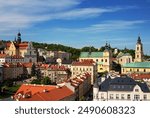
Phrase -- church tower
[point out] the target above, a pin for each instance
(139, 51)
(19, 38)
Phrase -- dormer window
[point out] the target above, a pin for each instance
(136, 90)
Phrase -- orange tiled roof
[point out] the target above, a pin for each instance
(17, 57)
(56, 67)
(27, 65)
(8, 44)
(83, 63)
(42, 93)
(140, 76)
(23, 45)
(3, 55)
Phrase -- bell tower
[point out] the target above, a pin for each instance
(19, 37)
(139, 51)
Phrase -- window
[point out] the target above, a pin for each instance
(136, 90)
(129, 60)
(136, 97)
(144, 70)
(122, 96)
(121, 60)
(111, 96)
(137, 70)
(128, 96)
(105, 60)
(96, 60)
(117, 96)
(102, 60)
(145, 97)
(102, 96)
(130, 69)
(137, 48)
(137, 56)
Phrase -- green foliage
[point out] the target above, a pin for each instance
(46, 81)
(116, 67)
(33, 70)
(8, 83)
(130, 51)
(87, 49)
(102, 49)
(58, 47)
(36, 81)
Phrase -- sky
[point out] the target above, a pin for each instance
(77, 23)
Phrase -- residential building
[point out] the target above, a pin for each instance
(121, 89)
(11, 71)
(1, 73)
(56, 73)
(29, 92)
(102, 59)
(27, 68)
(80, 85)
(84, 66)
(4, 58)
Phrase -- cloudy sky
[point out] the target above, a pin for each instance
(77, 23)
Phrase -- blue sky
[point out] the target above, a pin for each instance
(77, 23)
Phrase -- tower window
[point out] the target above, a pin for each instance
(105, 60)
(137, 48)
(137, 56)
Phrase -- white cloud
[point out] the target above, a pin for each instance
(105, 26)
(21, 14)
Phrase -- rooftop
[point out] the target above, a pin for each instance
(137, 65)
(122, 84)
(140, 76)
(83, 63)
(91, 54)
(42, 93)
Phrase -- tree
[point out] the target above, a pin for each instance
(46, 81)
(68, 73)
(36, 81)
(33, 70)
(38, 74)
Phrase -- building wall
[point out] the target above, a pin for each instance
(12, 72)
(139, 53)
(103, 63)
(76, 70)
(124, 59)
(1, 73)
(134, 70)
(11, 50)
(121, 95)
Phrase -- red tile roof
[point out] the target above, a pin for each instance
(140, 76)
(42, 93)
(8, 65)
(83, 63)
(56, 67)
(28, 65)
(23, 45)
(3, 55)
(17, 57)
